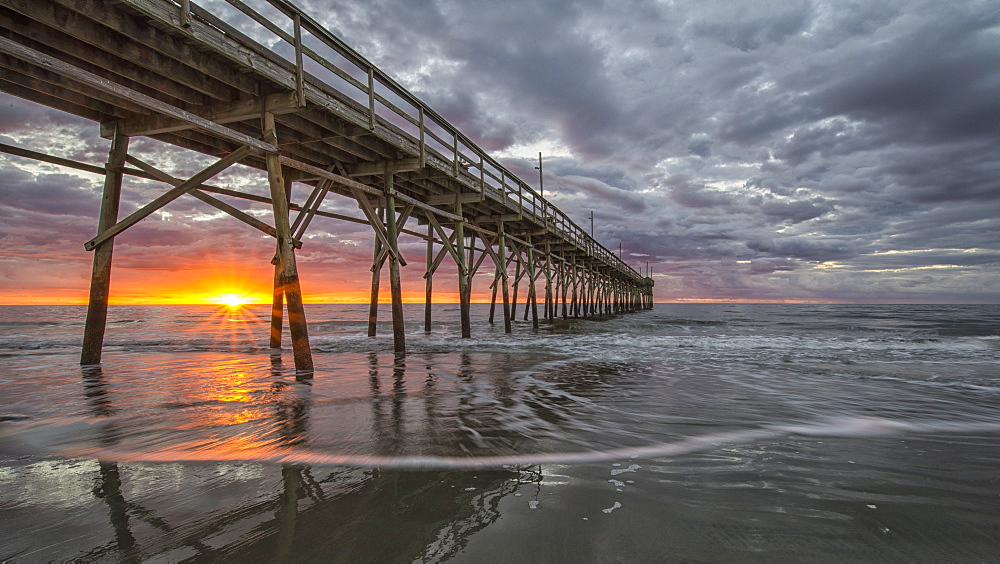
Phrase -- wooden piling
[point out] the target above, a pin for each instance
(429, 275)
(464, 268)
(493, 300)
(289, 275)
(502, 254)
(376, 278)
(398, 329)
(531, 287)
(278, 292)
(100, 279)
(277, 308)
(548, 283)
(564, 274)
(517, 281)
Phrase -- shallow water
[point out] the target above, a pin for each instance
(690, 432)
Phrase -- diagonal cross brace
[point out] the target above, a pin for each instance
(446, 241)
(170, 195)
(400, 222)
(376, 223)
(214, 202)
(439, 258)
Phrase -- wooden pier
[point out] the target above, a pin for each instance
(320, 120)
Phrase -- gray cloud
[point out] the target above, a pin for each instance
(808, 149)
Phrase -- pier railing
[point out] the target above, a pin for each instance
(326, 71)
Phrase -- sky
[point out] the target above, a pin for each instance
(802, 151)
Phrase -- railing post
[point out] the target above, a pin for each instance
(185, 16)
(423, 144)
(299, 75)
(371, 98)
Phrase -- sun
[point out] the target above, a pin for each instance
(232, 301)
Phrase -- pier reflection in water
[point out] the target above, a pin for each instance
(247, 510)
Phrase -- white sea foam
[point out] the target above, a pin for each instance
(65, 437)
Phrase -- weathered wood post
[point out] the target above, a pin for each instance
(564, 275)
(576, 285)
(429, 284)
(548, 282)
(464, 268)
(472, 267)
(100, 278)
(277, 309)
(493, 300)
(517, 280)
(532, 296)
(376, 279)
(286, 253)
(278, 293)
(398, 329)
(502, 254)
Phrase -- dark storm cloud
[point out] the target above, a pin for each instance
(740, 146)
(52, 194)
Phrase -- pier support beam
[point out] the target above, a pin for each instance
(532, 295)
(398, 328)
(277, 309)
(278, 292)
(376, 277)
(464, 274)
(288, 272)
(549, 310)
(517, 280)
(429, 276)
(493, 300)
(100, 279)
(502, 255)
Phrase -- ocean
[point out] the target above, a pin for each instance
(690, 432)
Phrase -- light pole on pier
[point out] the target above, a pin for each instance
(541, 184)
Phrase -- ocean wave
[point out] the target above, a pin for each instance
(57, 434)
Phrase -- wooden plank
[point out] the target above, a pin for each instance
(114, 89)
(38, 83)
(198, 71)
(221, 113)
(82, 109)
(452, 199)
(101, 61)
(380, 167)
